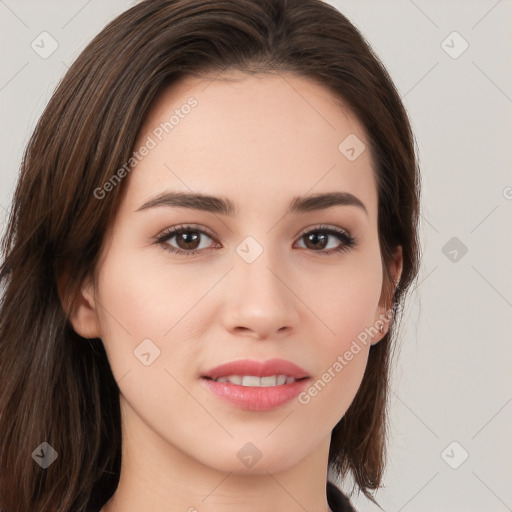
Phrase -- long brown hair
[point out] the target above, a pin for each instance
(56, 386)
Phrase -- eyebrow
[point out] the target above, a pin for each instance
(225, 206)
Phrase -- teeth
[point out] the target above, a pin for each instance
(254, 381)
(249, 380)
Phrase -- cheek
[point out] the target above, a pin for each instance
(341, 350)
(331, 392)
(147, 297)
(140, 299)
(346, 299)
(346, 302)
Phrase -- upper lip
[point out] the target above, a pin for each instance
(257, 368)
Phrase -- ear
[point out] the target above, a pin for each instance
(81, 308)
(382, 316)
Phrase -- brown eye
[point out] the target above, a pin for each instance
(185, 240)
(318, 239)
(189, 240)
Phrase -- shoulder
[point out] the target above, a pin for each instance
(338, 502)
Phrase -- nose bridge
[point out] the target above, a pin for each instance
(260, 298)
(258, 265)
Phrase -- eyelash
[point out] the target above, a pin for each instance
(348, 240)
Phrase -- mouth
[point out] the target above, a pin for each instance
(256, 385)
(255, 381)
(255, 397)
(248, 372)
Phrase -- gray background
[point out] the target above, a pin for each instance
(452, 380)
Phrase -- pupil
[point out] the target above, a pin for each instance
(314, 237)
(188, 238)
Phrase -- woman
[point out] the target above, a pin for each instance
(211, 239)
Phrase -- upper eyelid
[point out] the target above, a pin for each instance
(171, 232)
(211, 233)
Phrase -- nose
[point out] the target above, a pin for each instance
(261, 302)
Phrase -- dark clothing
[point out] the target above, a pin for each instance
(337, 501)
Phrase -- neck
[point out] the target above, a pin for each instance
(157, 476)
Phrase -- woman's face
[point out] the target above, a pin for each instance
(250, 284)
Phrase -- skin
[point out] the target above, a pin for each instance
(260, 141)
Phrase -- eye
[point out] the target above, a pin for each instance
(318, 238)
(188, 239)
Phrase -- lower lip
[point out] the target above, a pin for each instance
(255, 398)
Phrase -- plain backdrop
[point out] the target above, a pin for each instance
(450, 407)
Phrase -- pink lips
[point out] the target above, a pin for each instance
(257, 368)
(256, 398)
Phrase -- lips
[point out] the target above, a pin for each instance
(254, 398)
(247, 367)
(256, 385)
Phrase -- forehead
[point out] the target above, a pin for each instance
(259, 136)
